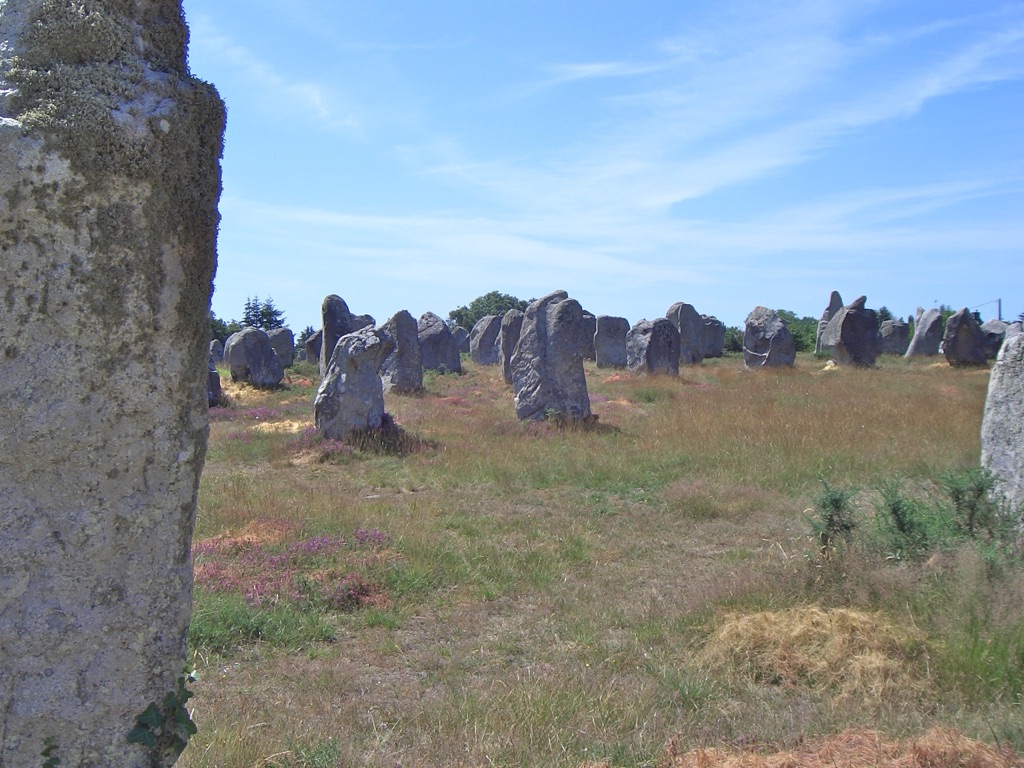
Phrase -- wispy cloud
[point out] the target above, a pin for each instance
(316, 103)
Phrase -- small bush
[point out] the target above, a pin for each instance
(973, 511)
(834, 519)
(908, 527)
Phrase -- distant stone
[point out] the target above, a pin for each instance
(610, 341)
(483, 341)
(213, 390)
(511, 328)
(835, 303)
(337, 322)
(927, 333)
(963, 343)
(712, 336)
(251, 358)
(652, 347)
(216, 351)
(313, 344)
(895, 337)
(691, 332)
(590, 324)
(402, 370)
(851, 336)
(994, 332)
(461, 336)
(1002, 426)
(283, 342)
(362, 321)
(547, 365)
(437, 345)
(351, 395)
(767, 342)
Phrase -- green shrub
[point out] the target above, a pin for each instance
(834, 520)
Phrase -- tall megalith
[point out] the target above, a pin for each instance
(109, 182)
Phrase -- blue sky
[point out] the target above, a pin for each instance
(415, 155)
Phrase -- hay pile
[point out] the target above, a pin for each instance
(851, 652)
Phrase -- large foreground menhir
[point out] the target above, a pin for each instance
(109, 181)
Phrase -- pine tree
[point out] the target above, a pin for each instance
(262, 314)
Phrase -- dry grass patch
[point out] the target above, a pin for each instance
(855, 653)
(938, 748)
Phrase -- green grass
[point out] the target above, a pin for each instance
(546, 592)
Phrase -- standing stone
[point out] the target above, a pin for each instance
(995, 333)
(835, 303)
(590, 325)
(483, 341)
(283, 342)
(216, 351)
(767, 342)
(361, 321)
(250, 358)
(461, 336)
(336, 322)
(1013, 329)
(351, 395)
(851, 336)
(437, 345)
(511, 328)
(547, 365)
(213, 390)
(895, 336)
(610, 341)
(313, 345)
(691, 332)
(963, 343)
(1002, 426)
(109, 181)
(927, 333)
(712, 336)
(402, 370)
(652, 347)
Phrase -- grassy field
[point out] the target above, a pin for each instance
(490, 592)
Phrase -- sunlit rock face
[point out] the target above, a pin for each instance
(1002, 428)
(109, 182)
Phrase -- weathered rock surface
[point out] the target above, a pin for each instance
(691, 332)
(767, 342)
(213, 389)
(283, 342)
(851, 336)
(547, 365)
(963, 342)
(511, 328)
(895, 336)
(351, 395)
(437, 345)
(362, 321)
(216, 351)
(1002, 426)
(927, 333)
(461, 336)
(835, 303)
(402, 370)
(652, 347)
(336, 322)
(313, 345)
(109, 180)
(610, 341)
(590, 329)
(250, 358)
(483, 341)
(994, 332)
(712, 336)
